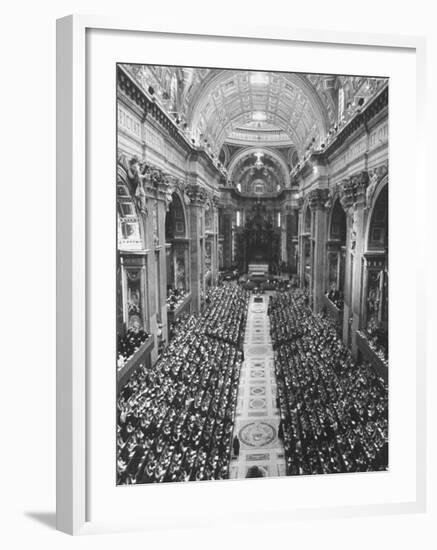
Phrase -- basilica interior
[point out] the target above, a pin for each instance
(252, 274)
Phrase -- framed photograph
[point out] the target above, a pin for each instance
(231, 275)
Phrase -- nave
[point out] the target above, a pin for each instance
(203, 413)
(261, 451)
(252, 273)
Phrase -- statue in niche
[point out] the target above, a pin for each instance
(137, 176)
(371, 188)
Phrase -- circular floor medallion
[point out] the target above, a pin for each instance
(257, 434)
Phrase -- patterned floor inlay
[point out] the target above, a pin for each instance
(257, 418)
(257, 403)
(252, 457)
(257, 391)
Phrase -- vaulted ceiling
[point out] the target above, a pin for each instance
(230, 103)
(246, 106)
(236, 114)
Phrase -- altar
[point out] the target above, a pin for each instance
(258, 269)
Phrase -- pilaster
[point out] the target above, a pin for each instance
(353, 200)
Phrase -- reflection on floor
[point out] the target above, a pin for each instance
(257, 416)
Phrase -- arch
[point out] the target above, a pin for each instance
(337, 222)
(376, 236)
(248, 151)
(336, 253)
(376, 290)
(176, 247)
(175, 220)
(240, 84)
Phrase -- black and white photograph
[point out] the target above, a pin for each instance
(252, 275)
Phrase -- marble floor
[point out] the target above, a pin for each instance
(257, 417)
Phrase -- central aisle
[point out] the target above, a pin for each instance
(257, 417)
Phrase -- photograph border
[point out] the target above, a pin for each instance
(72, 211)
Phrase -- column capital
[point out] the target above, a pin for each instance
(317, 198)
(195, 195)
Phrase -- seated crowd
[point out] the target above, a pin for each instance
(334, 413)
(175, 419)
(377, 337)
(128, 344)
(175, 297)
(336, 297)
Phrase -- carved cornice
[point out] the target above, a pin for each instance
(317, 198)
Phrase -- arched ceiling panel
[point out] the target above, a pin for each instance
(228, 100)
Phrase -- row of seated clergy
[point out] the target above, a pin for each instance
(175, 420)
(334, 412)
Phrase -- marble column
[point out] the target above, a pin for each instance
(301, 251)
(318, 198)
(227, 238)
(197, 198)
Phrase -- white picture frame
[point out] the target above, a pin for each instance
(73, 211)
